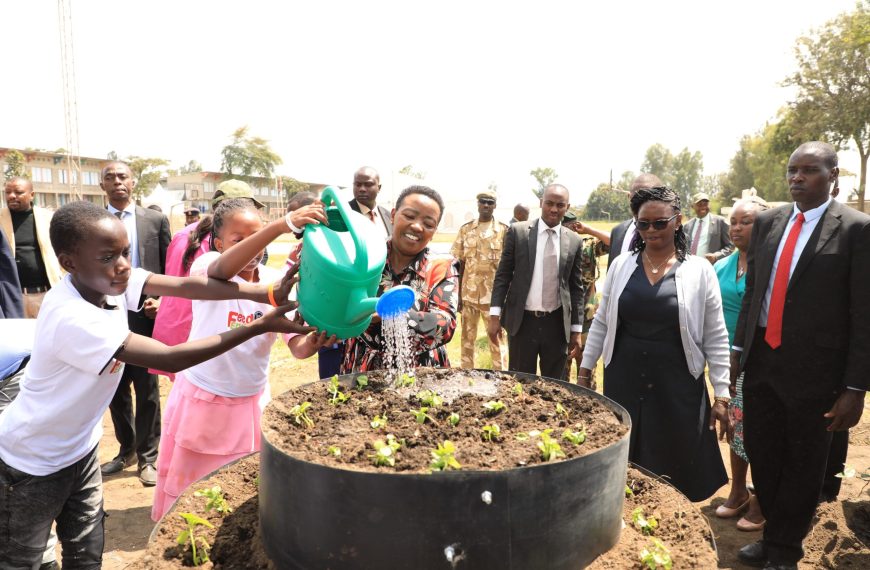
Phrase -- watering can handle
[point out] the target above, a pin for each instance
(361, 261)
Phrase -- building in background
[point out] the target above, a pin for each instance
(50, 177)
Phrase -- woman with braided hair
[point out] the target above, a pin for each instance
(659, 323)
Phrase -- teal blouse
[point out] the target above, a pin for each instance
(732, 291)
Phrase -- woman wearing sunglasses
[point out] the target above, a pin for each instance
(659, 322)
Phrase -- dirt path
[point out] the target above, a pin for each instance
(129, 503)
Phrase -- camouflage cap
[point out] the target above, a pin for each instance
(233, 189)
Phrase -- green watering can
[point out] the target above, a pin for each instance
(341, 270)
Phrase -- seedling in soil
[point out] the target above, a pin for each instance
(849, 472)
(524, 436)
(421, 416)
(575, 437)
(494, 406)
(379, 422)
(561, 411)
(336, 395)
(453, 419)
(656, 557)
(442, 457)
(216, 501)
(362, 381)
(518, 390)
(188, 536)
(550, 448)
(300, 414)
(429, 398)
(406, 380)
(629, 492)
(334, 450)
(491, 432)
(385, 451)
(646, 525)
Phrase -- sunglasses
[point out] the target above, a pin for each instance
(644, 225)
(486, 202)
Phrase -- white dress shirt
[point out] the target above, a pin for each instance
(378, 219)
(703, 247)
(630, 231)
(535, 300)
(128, 218)
(811, 220)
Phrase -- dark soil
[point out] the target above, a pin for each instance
(347, 426)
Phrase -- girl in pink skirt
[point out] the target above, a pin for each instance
(212, 416)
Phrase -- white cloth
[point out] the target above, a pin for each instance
(70, 380)
(703, 247)
(630, 231)
(128, 218)
(811, 220)
(378, 219)
(702, 323)
(244, 370)
(534, 301)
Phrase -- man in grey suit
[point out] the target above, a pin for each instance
(707, 233)
(148, 232)
(622, 234)
(537, 293)
(801, 339)
(366, 185)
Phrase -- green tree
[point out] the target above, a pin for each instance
(248, 156)
(544, 177)
(112, 155)
(739, 176)
(16, 164)
(146, 172)
(292, 186)
(682, 173)
(658, 160)
(408, 170)
(833, 82)
(192, 166)
(606, 203)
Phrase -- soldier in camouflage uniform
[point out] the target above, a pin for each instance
(594, 246)
(478, 249)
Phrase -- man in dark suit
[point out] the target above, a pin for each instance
(148, 232)
(366, 185)
(801, 340)
(622, 234)
(708, 233)
(537, 293)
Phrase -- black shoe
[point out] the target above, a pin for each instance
(781, 567)
(53, 565)
(117, 464)
(148, 475)
(754, 555)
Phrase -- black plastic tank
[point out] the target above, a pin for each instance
(543, 517)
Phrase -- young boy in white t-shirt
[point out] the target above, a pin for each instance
(49, 469)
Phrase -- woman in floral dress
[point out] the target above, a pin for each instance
(432, 318)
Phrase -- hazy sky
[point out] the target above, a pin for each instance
(469, 92)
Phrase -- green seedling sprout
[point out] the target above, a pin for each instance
(300, 414)
(216, 501)
(379, 422)
(656, 557)
(629, 492)
(429, 398)
(443, 457)
(646, 525)
(522, 436)
(421, 416)
(385, 451)
(575, 437)
(362, 381)
(518, 390)
(453, 419)
(336, 396)
(550, 448)
(494, 406)
(334, 450)
(188, 536)
(561, 411)
(407, 380)
(849, 472)
(490, 432)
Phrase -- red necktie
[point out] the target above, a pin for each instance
(372, 215)
(773, 336)
(696, 238)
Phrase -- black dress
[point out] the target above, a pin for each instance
(649, 377)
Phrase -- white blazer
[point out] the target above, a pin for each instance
(702, 323)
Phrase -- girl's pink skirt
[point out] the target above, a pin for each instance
(201, 433)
